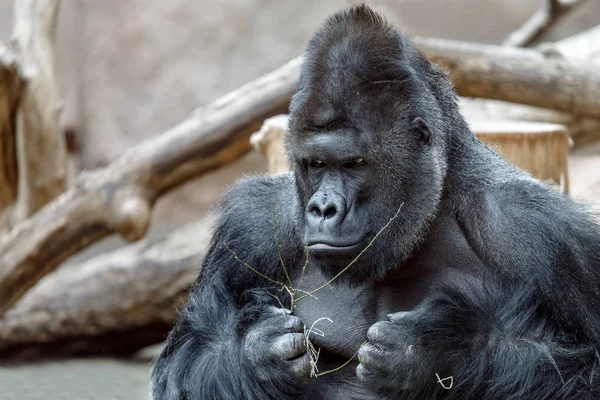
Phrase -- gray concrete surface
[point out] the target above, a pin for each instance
(92, 379)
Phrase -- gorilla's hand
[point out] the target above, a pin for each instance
(276, 345)
(387, 357)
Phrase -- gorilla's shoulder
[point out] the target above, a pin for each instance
(255, 207)
(254, 215)
(251, 197)
(535, 213)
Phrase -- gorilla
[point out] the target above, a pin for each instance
(401, 259)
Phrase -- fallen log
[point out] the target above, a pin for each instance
(583, 47)
(114, 303)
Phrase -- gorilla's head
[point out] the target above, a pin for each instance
(366, 138)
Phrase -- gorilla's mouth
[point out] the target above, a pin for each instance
(320, 248)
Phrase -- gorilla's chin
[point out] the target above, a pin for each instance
(351, 270)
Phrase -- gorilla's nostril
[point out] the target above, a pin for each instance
(315, 210)
(329, 212)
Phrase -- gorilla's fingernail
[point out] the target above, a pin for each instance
(397, 316)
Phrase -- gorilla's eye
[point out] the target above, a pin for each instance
(354, 163)
(317, 163)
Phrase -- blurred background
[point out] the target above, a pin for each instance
(130, 70)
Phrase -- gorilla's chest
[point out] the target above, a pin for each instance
(338, 316)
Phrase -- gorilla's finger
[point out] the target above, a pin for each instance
(399, 317)
(293, 324)
(290, 346)
(278, 310)
(384, 333)
(372, 356)
(301, 366)
(288, 324)
(364, 373)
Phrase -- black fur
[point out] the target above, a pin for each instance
(485, 275)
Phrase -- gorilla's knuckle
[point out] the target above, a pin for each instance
(293, 323)
(364, 353)
(363, 373)
(301, 366)
(278, 311)
(289, 345)
(400, 317)
(296, 341)
(378, 331)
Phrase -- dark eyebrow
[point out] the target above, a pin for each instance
(398, 77)
(401, 80)
(331, 125)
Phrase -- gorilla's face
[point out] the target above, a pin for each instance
(336, 172)
(362, 146)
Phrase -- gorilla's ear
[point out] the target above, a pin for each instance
(421, 129)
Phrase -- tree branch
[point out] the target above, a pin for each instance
(540, 22)
(518, 75)
(42, 160)
(118, 198)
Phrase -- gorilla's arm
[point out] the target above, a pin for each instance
(525, 328)
(487, 341)
(230, 341)
(527, 232)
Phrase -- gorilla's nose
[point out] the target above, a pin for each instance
(325, 212)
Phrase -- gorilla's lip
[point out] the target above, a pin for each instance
(336, 249)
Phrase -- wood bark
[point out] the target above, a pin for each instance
(584, 47)
(11, 86)
(115, 303)
(541, 22)
(41, 159)
(518, 75)
(269, 142)
(118, 198)
(581, 130)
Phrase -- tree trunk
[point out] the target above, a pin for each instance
(11, 86)
(41, 151)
